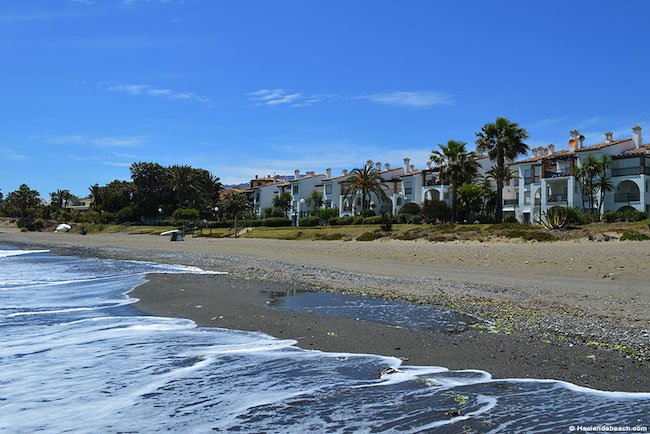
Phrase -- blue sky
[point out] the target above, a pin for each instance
(263, 87)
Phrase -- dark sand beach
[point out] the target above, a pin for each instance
(590, 332)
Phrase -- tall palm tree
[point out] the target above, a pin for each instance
(457, 167)
(364, 182)
(502, 140)
(235, 205)
(604, 180)
(587, 176)
(181, 181)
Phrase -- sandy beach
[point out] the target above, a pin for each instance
(573, 310)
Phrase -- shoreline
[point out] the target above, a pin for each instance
(562, 342)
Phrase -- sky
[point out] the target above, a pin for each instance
(266, 87)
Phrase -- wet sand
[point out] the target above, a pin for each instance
(564, 315)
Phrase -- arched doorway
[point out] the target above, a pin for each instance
(432, 194)
(627, 191)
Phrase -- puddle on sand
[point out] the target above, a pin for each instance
(393, 313)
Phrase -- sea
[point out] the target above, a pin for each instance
(76, 356)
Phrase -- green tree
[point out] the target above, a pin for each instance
(604, 180)
(62, 198)
(235, 205)
(587, 175)
(364, 182)
(282, 202)
(470, 199)
(151, 181)
(23, 199)
(457, 167)
(315, 200)
(502, 140)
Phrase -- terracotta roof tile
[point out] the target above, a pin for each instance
(540, 157)
(602, 145)
(643, 148)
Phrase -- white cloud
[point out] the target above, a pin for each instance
(145, 89)
(103, 142)
(274, 97)
(417, 99)
(111, 163)
(10, 154)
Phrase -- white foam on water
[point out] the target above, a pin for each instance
(8, 253)
(143, 373)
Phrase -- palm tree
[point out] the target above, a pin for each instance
(181, 181)
(458, 167)
(587, 175)
(604, 180)
(282, 202)
(364, 182)
(502, 140)
(234, 205)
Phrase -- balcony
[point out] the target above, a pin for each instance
(557, 173)
(627, 197)
(556, 198)
(510, 202)
(626, 171)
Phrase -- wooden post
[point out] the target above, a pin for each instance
(543, 170)
(572, 165)
(642, 165)
(532, 174)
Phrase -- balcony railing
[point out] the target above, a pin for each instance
(555, 198)
(510, 202)
(431, 182)
(627, 197)
(557, 173)
(625, 171)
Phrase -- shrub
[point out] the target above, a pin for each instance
(374, 220)
(416, 219)
(369, 236)
(435, 210)
(531, 235)
(632, 215)
(411, 234)
(574, 216)
(38, 225)
(510, 219)
(129, 213)
(411, 208)
(367, 213)
(589, 218)
(634, 236)
(612, 216)
(357, 220)
(186, 214)
(276, 222)
(326, 214)
(554, 218)
(332, 221)
(347, 220)
(309, 221)
(267, 212)
(386, 222)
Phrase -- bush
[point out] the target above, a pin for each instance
(510, 219)
(416, 219)
(369, 236)
(387, 222)
(367, 213)
(38, 225)
(309, 221)
(276, 222)
(612, 216)
(435, 210)
(186, 214)
(325, 214)
(634, 236)
(574, 216)
(128, 214)
(411, 208)
(632, 215)
(347, 220)
(374, 220)
(357, 220)
(332, 221)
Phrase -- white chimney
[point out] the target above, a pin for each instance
(256, 176)
(581, 141)
(369, 163)
(378, 165)
(575, 134)
(545, 151)
(345, 172)
(551, 148)
(387, 166)
(412, 168)
(296, 173)
(407, 162)
(609, 136)
(534, 151)
(329, 172)
(636, 136)
(428, 165)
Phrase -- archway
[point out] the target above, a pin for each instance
(627, 191)
(432, 194)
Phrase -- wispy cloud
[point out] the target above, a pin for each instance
(416, 99)
(9, 154)
(117, 164)
(147, 90)
(274, 97)
(103, 142)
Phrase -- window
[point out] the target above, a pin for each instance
(328, 189)
(295, 189)
(408, 188)
(399, 201)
